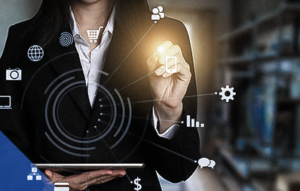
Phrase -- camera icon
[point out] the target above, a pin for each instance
(13, 74)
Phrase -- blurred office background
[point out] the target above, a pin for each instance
(253, 46)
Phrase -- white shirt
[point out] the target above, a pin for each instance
(93, 65)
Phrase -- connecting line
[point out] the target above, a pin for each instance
(130, 84)
(132, 150)
(108, 114)
(136, 81)
(108, 147)
(200, 95)
(143, 118)
(152, 100)
(44, 159)
(129, 54)
(115, 157)
(194, 161)
(171, 121)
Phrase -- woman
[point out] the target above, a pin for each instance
(124, 60)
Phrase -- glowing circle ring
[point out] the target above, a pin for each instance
(58, 119)
(55, 119)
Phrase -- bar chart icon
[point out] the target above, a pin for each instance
(192, 122)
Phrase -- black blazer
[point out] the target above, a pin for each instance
(51, 112)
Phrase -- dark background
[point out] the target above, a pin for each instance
(253, 46)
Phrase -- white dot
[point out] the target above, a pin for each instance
(101, 105)
(95, 127)
(99, 119)
(182, 122)
(216, 93)
(202, 124)
(100, 99)
(87, 131)
(195, 161)
(131, 182)
(101, 113)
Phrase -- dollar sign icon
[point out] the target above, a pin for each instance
(138, 186)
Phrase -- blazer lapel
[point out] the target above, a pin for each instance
(66, 63)
(119, 49)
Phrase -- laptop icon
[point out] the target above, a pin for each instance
(5, 102)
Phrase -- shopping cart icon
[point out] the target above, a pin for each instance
(93, 35)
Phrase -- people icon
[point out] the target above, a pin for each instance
(157, 14)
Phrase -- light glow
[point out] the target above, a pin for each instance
(160, 49)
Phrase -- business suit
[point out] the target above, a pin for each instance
(28, 129)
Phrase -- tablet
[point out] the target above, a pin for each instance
(58, 167)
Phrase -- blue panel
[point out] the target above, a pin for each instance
(15, 168)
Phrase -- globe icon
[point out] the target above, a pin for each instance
(35, 53)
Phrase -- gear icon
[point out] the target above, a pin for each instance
(227, 90)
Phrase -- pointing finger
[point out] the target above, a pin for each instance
(164, 46)
(171, 51)
(152, 63)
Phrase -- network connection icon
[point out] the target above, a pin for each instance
(34, 173)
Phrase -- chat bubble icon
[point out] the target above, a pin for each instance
(203, 162)
(212, 164)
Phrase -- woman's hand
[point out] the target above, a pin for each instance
(84, 180)
(168, 89)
